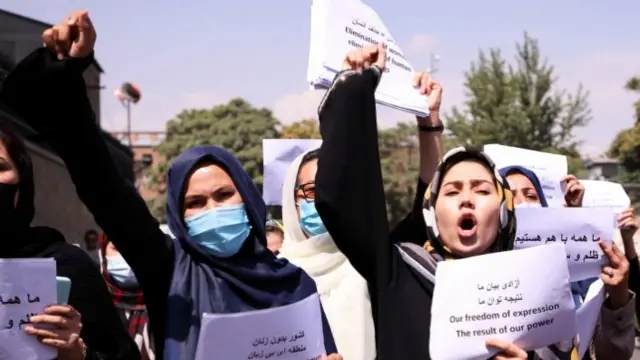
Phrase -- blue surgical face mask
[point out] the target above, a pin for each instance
(121, 272)
(310, 220)
(221, 230)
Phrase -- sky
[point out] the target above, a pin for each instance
(203, 53)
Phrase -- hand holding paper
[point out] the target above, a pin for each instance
(65, 336)
(427, 86)
(615, 275)
(509, 349)
(573, 191)
(627, 224)
(360, 59)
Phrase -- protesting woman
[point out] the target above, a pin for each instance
(219, 262)
(466, 186)
(615, 332)
(127, 296)
(86, 328)
(350, 200)
(307, 244)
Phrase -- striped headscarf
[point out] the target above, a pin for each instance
(507, 229)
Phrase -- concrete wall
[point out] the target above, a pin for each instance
(57, 204)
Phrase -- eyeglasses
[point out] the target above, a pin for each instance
(308, 191)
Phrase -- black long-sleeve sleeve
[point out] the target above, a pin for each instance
(349, 189)
(412, 228)
(634, 285)
(51, 96)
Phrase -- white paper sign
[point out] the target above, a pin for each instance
(588, 314)
(338, 26)
(292, 332)
(604, 193)
(579, 229)
(550, 168)
(506, 296)
(277, 155)
(27, 287)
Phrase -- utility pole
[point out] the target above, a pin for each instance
(128, 94)
(434, 60)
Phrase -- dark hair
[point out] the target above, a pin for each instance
(90, 232)
(308, 157)
(17, 150)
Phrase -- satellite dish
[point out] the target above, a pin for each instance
(128, 92)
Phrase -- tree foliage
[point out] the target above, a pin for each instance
(399, 158)
(236, 126)
(626, 145)
(518, 104)
(303, 129)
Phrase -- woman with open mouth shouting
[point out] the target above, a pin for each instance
(471, 202)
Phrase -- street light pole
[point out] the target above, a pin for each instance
(127, 105)
(128, 94)
(434, 60)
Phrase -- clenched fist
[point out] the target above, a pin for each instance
(360, 59)
(74, 37)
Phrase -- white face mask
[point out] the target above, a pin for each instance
(528, 205)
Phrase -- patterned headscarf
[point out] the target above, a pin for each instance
(507, 229)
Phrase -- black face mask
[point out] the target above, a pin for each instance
(8, 211)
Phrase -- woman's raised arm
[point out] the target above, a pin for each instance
(349, 189)
(51, 96)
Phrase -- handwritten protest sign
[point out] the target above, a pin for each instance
(277, 155)
(588, 314)
(27, 286)
(550, 168)
(579, 229)
(604, 193)
(506, 296)
(339, 26)
(292, 332)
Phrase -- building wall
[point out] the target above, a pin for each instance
(144, 143)
(57, 204)
(20, 36)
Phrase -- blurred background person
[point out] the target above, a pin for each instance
(127, 296)
(275, 235)
(91, 245)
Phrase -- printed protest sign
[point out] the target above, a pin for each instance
(507, 296)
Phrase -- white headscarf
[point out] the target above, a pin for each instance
(343, 292)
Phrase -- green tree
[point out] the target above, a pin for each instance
(519, 105)
(303, 129)
(399, 158)
(236, 126)
(626, 145)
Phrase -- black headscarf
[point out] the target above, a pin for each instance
(19, 239)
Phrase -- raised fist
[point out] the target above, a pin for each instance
(360, 59)
(74, 36)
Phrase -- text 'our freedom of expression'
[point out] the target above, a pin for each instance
(493, 294)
